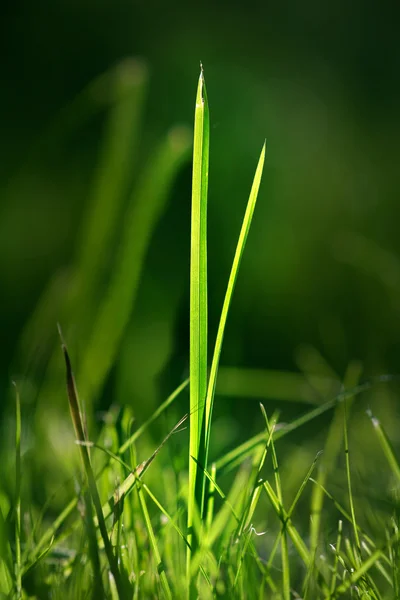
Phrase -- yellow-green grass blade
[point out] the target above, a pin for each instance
(336, 562)
(349, 485)
(236, 456)
(6, 559)
(171, 398)
(331, 451)
(256, 487)
(361, 571)
(154, 544)
(18, 564)
(292, 507)
(228, 296)
(291, 530)
(32, 557)
(386, 446)
(198, 302)
(84, 451)
(146, 207)
(278, 485)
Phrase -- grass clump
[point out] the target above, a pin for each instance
(175, 524)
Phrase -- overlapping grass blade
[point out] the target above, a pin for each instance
(154, 544)
(331, 451)
(84, 451)
(236, 456)
(46, 540)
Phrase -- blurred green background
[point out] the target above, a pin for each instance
(320, 281)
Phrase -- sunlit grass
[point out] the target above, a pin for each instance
(279, 515)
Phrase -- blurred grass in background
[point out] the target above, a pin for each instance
(89, 238)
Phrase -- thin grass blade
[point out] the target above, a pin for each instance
(84, 451)
(198, 302)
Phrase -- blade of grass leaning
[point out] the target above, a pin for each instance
(84, 451)
(385, 445)
(231, 459)
(292, 507)
(132, 439)
(146, 206)
(48, 536)
(113, 178)
(18, 564)
(153, 542)
(356, 575)
(198, 305)
(294, 535)
(75, 293)
(228, 297)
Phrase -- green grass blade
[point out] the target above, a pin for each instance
(84, 451)
(349, 485)
(336, 563)
(198, 302)
(292, 531)
(154, 544)
(284, 541)
(386, 446)
(48, 536)
(145, 209)
(356, 575)
(171, 398)
(331, 451)
(231, 459)
(229, 293)
(18, 564)
(113, 172)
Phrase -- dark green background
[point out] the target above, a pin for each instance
(319, 81)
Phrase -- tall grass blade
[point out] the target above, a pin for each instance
(18, 564)
(349, 487)
(198, 303)
(84, 451)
